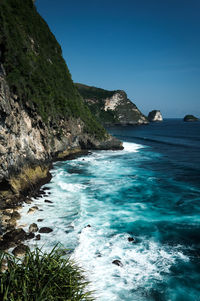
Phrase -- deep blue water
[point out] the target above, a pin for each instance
(149, 191)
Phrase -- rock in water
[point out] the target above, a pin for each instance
(33, 228)
(45, 230)
(155, 115)
(117, 262)
(190, 118)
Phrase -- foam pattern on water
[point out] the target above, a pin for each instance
(101, 200)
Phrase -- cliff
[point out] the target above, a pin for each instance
(42, 115)
(111, 107)
(155, 115)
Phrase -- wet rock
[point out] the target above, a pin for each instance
(117, 262)
(32, 210)
(31, 235)
(16, 215)
(8, 211)
(46, 188)
(15, 235)
(47, 201)
(45, 230)
(20, 250)
(28, 201)
(38, 236)
(33, 228)
(40, 220)
(5, 245)
(131, 239)
(88, 226)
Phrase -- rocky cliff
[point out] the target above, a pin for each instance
(111, 107)
(155, 115)
(42, 116)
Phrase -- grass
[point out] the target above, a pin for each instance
(42, 277)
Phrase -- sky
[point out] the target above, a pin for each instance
(148, 48)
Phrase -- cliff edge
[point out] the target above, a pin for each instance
(42, 115)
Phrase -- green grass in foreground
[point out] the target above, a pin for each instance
(42, 277)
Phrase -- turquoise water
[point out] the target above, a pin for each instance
(149, 191)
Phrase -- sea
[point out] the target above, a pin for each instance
(138, 207)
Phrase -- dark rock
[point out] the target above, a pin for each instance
(131, 239)
(32, 209)
(47, 201)
(20, 250)
(38, 236)
(45, 230)
(5, 245)
(117, 262)
(40, 220)
(88, 226)
(33, 228)
(15, 235)
(31, 235)
(190, 118)
(28, 201)
(16, 215)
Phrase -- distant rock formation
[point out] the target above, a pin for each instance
(155, 115)
(190, 118)
(111, 107)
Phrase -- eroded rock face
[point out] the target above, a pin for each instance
(155, 115)
(27, 142)
(111, 107)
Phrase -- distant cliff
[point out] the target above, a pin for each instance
(111, 107)
(155, 115)
(42, 115)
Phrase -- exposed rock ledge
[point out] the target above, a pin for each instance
(28, 145)
(155, 115)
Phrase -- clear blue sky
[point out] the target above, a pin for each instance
(149, 48)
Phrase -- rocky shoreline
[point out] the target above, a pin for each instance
(12, 235)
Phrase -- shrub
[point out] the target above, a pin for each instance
(42, 277)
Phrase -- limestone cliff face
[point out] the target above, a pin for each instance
(42, 116)
(155, 115)
(111, 107)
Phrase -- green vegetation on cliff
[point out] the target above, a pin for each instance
(35, 68)
(96, 106)
(41, 277)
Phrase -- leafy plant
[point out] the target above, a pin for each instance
(42, 277)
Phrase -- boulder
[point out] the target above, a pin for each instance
(131, 239)
(38, 236)
(32, 210)
(117, 262)
(20, 250)
(45, 230)
(15, 235)
(47, 201)
(33, 228)
(40, 220)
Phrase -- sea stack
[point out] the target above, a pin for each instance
(155, 115)
(190, 118)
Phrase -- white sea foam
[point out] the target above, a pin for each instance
(79, 201)
(132, 147)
